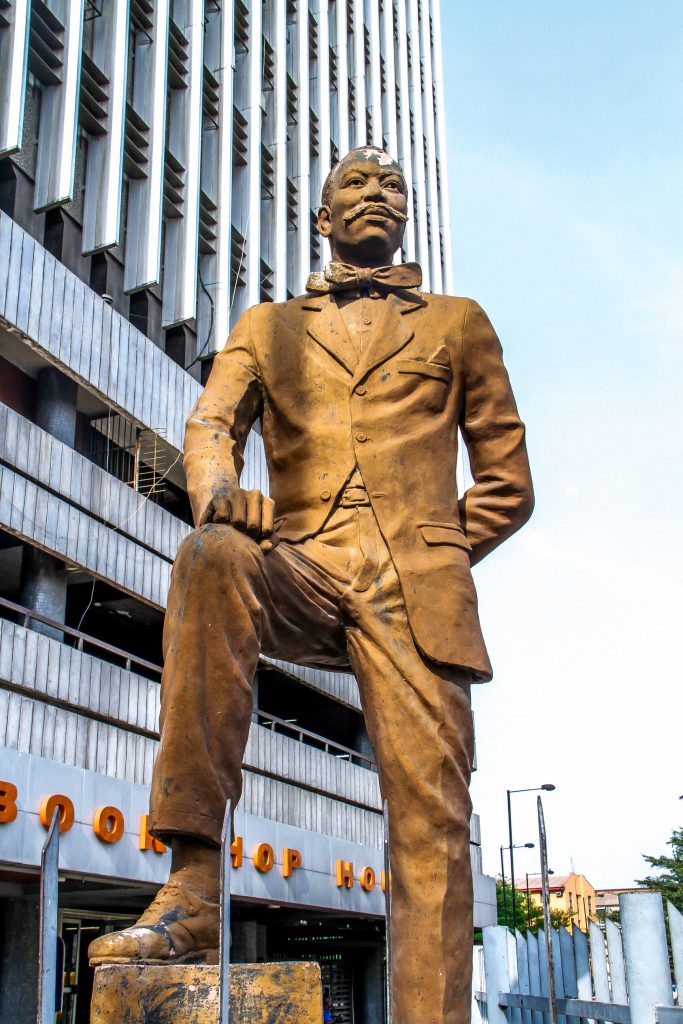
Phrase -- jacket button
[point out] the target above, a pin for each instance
(325, 495)
(360, 390)
(361, 437)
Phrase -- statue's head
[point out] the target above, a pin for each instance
(364, 208)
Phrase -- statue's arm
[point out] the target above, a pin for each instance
(501, 498)
(216, 433)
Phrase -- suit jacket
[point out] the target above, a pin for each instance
(432, 365)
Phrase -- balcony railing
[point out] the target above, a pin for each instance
(289, 727)
(132, 662)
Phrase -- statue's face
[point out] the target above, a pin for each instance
(366, 215)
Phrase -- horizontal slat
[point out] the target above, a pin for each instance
(33, 727)
(669, 1014)
(75, 329)
(30, 512)
(569, 1007)
(34, 662)
(45, 460)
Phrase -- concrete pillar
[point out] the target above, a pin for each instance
(43, 588)
(261, 943)
(18, 961)
(56, 405)
(243, 948)
(43, 580)
(361, 740)
(368, 986)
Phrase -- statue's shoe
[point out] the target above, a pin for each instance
(178, 927)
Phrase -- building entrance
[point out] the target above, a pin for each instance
(337, 978)
(77, 929)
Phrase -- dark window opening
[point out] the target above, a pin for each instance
(98, 273)
(53, 237)
(94, 609)
(8, 187)
(301, 707)
(138, 310)
(176, 345)
(105, 613)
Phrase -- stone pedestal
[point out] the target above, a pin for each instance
(283, 993)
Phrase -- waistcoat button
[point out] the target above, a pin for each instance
(361, 437)
(360, 390)
(325, 495)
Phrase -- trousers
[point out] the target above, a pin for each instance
(333, 600)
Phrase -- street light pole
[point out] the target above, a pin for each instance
(521, 846)
(502, 878)
(512, 865)
(548, 787)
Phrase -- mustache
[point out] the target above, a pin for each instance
(363, 208)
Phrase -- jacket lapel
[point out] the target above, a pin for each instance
(389, 335)
(329, 330)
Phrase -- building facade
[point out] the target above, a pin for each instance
(160, 169)
(571, 894)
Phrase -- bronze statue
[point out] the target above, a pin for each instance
(361, 557)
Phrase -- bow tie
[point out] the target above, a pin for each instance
(340, 277)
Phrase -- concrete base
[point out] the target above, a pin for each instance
(283, 993)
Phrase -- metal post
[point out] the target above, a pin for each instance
(387, 914)
(617, 968)
(497, 972)
(528, 902)
(224, 938)
(512, 864)
(502, 878)
(676, 933)
(547, 927)
(598, 958)
(49, 900)
(643, 928)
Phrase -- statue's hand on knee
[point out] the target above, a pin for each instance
(249, 511)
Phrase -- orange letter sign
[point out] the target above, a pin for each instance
(66, 811)
(345, 874)
(237, 851)
(108, 824)
(367, 879)
(8, 802)
(147, 841)
(291, 860)
(264, 858)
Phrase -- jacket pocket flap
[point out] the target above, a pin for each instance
(424, 367)
(444, 533)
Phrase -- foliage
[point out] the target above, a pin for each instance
(669, 880)
(529, 913)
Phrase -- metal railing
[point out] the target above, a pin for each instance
(26, 615)
(296, 731)
(132, 662)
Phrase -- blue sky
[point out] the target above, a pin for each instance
(565, 127)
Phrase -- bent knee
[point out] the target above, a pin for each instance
(216, 543)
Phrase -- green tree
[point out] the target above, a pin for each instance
(529, 913)
(669, 880)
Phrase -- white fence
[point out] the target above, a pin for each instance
(622, 975)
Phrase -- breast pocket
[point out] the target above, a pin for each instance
(428, 383)
(424, 368)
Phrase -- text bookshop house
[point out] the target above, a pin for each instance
(161, 164)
